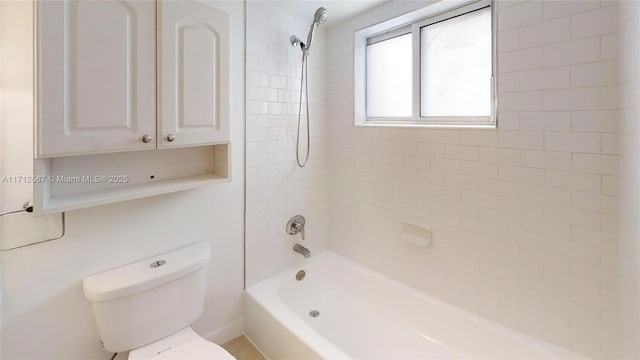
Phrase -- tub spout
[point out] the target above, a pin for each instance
(302, 250)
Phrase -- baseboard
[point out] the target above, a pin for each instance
(226, 333)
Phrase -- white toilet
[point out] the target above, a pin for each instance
(147, 307)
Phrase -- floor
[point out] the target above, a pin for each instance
(243, 349)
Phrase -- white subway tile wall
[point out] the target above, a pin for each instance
(276, 189)
(524, 217)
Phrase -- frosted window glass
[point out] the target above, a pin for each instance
(389, 90)
(456, 66)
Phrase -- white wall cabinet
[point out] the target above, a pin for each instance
(96, 76)
(99, 86)
(114, 78)
(193, 69)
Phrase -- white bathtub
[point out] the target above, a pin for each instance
(365, 315)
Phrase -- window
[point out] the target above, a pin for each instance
(389, 82)
(431, 67)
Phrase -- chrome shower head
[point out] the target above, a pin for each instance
(320, 16)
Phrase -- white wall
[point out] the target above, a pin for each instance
(630, 177)
(524, 217)
(44, 313)
(276, 188)
(16, 81)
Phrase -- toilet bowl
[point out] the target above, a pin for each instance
(184, 344)
(147, 307)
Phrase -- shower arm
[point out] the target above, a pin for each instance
(296, 42)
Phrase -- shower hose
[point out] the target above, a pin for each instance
(303, 83)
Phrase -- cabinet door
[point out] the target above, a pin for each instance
(96, 76)
(193, 76)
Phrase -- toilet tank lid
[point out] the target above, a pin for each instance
(146, 274)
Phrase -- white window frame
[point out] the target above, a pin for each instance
(412, 23)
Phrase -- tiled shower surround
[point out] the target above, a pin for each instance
(524, 218)
(276, 188)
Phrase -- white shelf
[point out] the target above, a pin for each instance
(148, 173)
(108, 196)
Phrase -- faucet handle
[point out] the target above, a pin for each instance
(300, 229)
(296, 225)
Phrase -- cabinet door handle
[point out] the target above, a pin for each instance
(171, 137)
(146, 138)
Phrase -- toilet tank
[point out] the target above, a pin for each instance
(140, 303)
